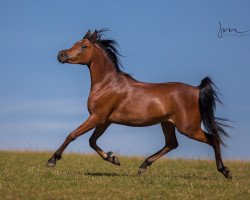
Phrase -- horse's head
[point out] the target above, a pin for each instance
(84, 51)
(81, 52)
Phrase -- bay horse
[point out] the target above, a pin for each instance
(116, 97)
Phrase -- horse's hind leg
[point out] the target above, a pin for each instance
(204, 137)
(99, 130)
(170, 143)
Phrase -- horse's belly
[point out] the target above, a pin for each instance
(138, 121)
(139, 117)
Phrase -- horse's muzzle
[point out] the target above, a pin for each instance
(62, 56)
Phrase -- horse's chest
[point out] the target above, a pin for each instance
(100, 102)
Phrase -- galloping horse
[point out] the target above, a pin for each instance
(116, 97)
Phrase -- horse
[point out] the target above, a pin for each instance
(116, 97)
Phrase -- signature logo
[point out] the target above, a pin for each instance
(232, 32)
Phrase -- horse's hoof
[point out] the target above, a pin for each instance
(141, 171)
(110, 153)
(226, 172)
(51, 162)
(115, 160)
(228, 175)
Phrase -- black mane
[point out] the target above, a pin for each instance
(110, 47)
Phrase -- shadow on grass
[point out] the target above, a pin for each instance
(188, 176)
(104, 174)
(172, 176)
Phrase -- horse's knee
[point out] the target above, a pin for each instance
(71, 138)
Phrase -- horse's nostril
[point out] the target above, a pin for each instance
(60, 53)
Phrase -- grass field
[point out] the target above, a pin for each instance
(23, 175)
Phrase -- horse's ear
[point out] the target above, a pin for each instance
(94, 35)
(87, 35)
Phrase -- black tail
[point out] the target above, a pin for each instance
(207, 103)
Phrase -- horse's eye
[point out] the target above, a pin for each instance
(84, 46)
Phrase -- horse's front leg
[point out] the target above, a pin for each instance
(89, 124)
(99, 130)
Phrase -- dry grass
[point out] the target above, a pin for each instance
(23, 175)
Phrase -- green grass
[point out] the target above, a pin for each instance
(23, 175)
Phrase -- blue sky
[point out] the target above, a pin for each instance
(41, 100)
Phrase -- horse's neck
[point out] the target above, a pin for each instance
(101, 68)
